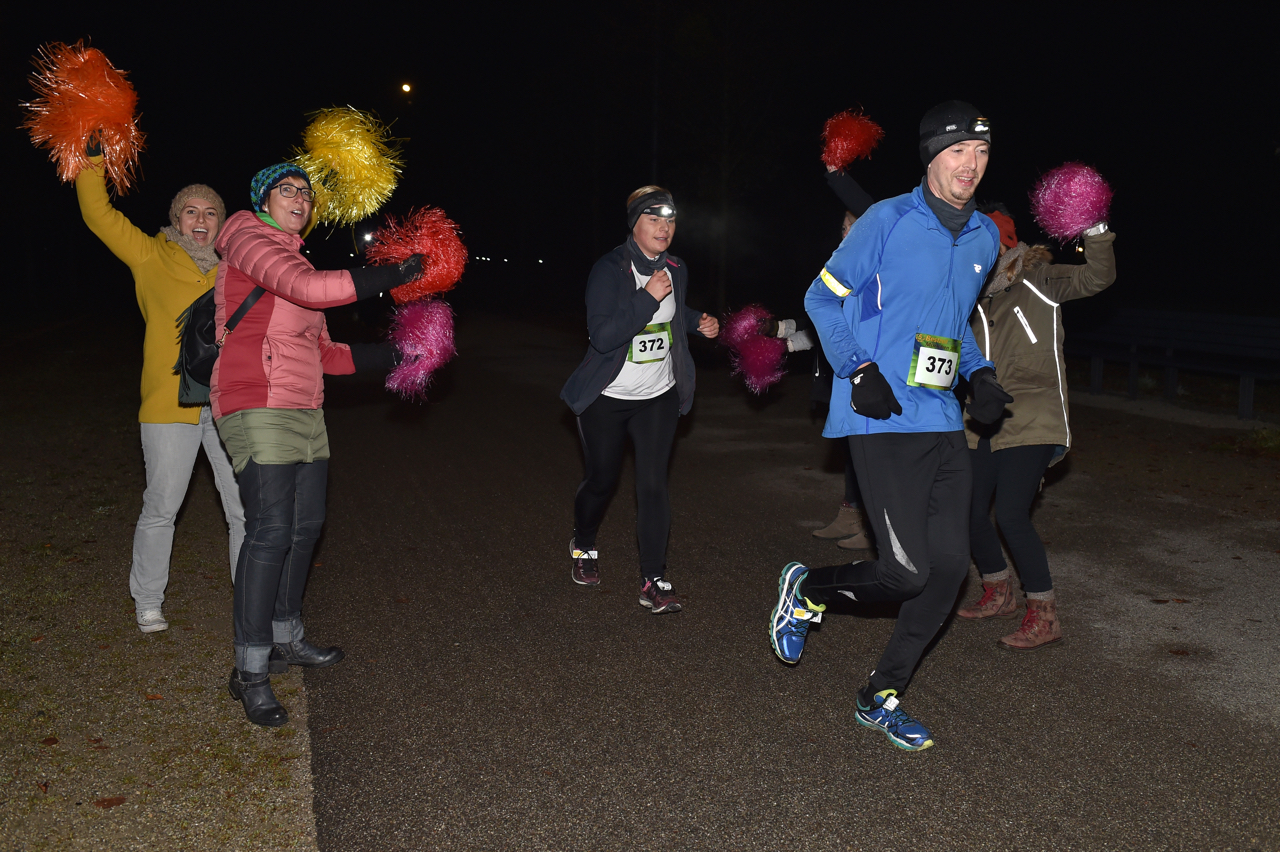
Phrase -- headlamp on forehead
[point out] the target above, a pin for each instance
(977, 125)
(665, 211)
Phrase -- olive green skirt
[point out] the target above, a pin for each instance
(274, 436)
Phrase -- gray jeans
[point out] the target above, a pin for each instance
(170, 450)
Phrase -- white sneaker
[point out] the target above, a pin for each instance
(151, 621)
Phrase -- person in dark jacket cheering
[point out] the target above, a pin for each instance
(892, 310)
(637, 378)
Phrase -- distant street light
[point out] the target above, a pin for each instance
(405, 88)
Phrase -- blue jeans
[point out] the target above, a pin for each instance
(170, 450)
(284, 513)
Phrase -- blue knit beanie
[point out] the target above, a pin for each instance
(269, 178)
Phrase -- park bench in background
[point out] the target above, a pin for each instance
(1248, 347)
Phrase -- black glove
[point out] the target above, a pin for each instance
(870, 394)
(989, 399)
(779, 328)
(383, 357)
(372, 280)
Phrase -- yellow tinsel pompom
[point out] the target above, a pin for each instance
(353, 164)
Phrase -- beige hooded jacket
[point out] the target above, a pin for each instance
(1017, 324)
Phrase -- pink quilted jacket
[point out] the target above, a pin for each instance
(277, 356)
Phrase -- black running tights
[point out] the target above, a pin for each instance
(916, 488)
(604, 428)
(1013, 475)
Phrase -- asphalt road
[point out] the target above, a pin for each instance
(487, 702)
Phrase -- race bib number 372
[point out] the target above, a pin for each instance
(652, 344)
(934, 362)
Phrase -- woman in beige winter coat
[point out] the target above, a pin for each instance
(1017, 323)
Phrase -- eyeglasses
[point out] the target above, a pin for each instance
(288, 190)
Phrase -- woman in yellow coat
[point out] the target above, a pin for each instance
(170, 270)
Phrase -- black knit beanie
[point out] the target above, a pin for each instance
(950, 122)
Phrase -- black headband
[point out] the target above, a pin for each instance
(658, 203)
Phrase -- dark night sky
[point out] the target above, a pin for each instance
(529, 129)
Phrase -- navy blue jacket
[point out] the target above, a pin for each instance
(616, 312)
(897, 275)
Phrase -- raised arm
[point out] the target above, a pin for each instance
(125, 240)
(851, 194)
(1065, 281)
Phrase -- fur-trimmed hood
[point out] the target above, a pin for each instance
(1017, 262)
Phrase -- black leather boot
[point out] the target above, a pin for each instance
(302, 653)
(253, 690)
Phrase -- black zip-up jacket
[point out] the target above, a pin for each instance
(616, 312)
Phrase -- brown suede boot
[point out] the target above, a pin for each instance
(998, 600)
(1039, 628)
(848, 522)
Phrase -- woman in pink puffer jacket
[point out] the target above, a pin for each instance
(267, 390)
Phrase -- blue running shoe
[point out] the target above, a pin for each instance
(901, 729)
(789, 624)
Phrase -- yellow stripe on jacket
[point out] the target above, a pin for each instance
(832, 284)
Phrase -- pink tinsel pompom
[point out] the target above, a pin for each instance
(423, 332)
(1069, 200)
(758, 359)
(848, 136)
(742, 325)
(427, 232)
(759, 362)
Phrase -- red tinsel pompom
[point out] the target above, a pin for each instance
(1069, 200)
(423, 332)
(758, 359)
(427, 232)
(846, 137)
(79, 94)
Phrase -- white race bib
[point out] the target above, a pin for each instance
(935, 362)
(650, 345)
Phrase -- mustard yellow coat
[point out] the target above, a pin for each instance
(166, 280)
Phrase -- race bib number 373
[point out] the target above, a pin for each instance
(934, 362)
(652, 344)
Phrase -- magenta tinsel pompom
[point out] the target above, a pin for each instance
(423, 332)
(742, 325)
(1069, 200)
(758, 359)
(846, 136)
(427, 232)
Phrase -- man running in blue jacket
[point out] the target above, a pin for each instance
(892, 308)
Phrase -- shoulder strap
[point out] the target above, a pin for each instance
(248, 303)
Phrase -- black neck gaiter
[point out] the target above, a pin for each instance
(643, 263)
(952, 219)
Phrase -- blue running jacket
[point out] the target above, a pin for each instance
(899, 291)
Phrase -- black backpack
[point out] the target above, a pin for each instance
(197, 348)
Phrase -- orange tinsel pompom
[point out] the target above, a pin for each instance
(847, 136)
(80, 95)
(427, 232)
